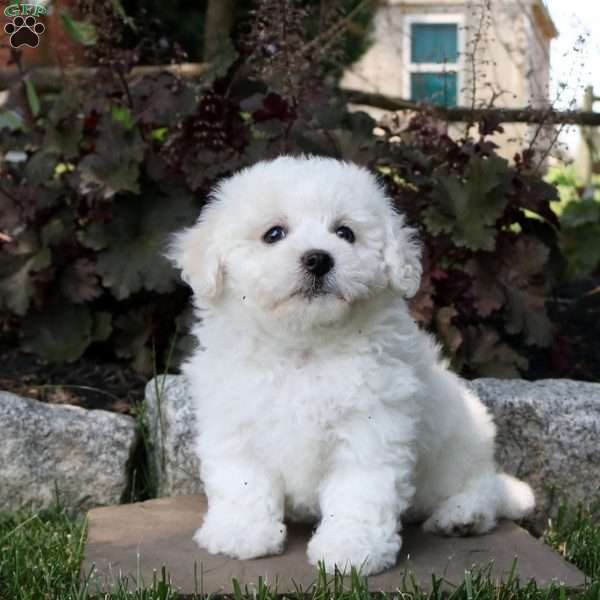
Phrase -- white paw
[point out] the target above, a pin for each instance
(459, 517)
(250, 539)
(368, 549)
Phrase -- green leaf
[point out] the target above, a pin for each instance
(580, 212)
(488, 356)
(468, 208)
(11, 119)
(133, 332)
(134, 258)
(526, 313)
(582, 248)
(122, 115)
(94, 236)
(64, 127)
(118, 8)
(159, 133)
(16, 273)
(52, 232)
(16, 289)
(83, 32)
(40, 167)
(60, 332)
(114, 166)
(32, 98)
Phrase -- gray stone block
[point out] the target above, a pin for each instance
(548, 433)
(170, 420)
(47, 449)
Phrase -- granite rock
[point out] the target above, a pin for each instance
(170, 421)
(548, 434)
(48, 450)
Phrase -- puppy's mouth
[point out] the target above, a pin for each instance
(311, 290)
(316, 287)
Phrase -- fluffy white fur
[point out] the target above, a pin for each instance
(335, 407)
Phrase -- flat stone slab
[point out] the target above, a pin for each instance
(136, 539)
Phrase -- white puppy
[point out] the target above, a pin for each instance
(317, 396)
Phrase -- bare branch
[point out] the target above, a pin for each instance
(466, 113)
(51, 79)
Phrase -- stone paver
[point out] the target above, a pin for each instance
(139, 538)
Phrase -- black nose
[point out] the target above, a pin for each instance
(317, 262)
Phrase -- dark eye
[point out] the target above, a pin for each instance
(345, 233)
(275, 234)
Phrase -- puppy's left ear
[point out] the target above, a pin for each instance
(402, 255)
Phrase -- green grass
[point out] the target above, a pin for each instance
(40, 555)
(575, 533)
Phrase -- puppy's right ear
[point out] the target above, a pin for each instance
(195, 252)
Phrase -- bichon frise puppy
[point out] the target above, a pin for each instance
(317, 395)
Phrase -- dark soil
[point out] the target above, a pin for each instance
(87, 383)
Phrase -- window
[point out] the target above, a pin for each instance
(432, 52)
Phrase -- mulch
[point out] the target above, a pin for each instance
(92, 384)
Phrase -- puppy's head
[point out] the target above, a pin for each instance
(300, 239)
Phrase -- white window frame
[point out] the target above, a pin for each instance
(457, 67)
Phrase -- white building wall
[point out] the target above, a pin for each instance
(511, 57)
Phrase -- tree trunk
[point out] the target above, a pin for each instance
(218, 23)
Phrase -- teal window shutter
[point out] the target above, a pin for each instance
(434, 43)
(437, 88)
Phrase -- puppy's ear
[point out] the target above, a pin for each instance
(196, 253)
(402, 255)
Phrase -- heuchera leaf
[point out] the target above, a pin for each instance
(94, 186)
(136, 243)
(469, 207)
(582, 247)
(60, 332)
(490, 357)
(524, 263)
(16, 274)
(133, 332)
(79, 281)
(40, 167)
(448, 333)
(526, 314)
(488, 295)
(114, 165)
(579, 213)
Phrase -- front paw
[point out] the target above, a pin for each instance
(251, 539)
(369, 549)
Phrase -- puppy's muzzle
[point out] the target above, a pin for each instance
(317, 262)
